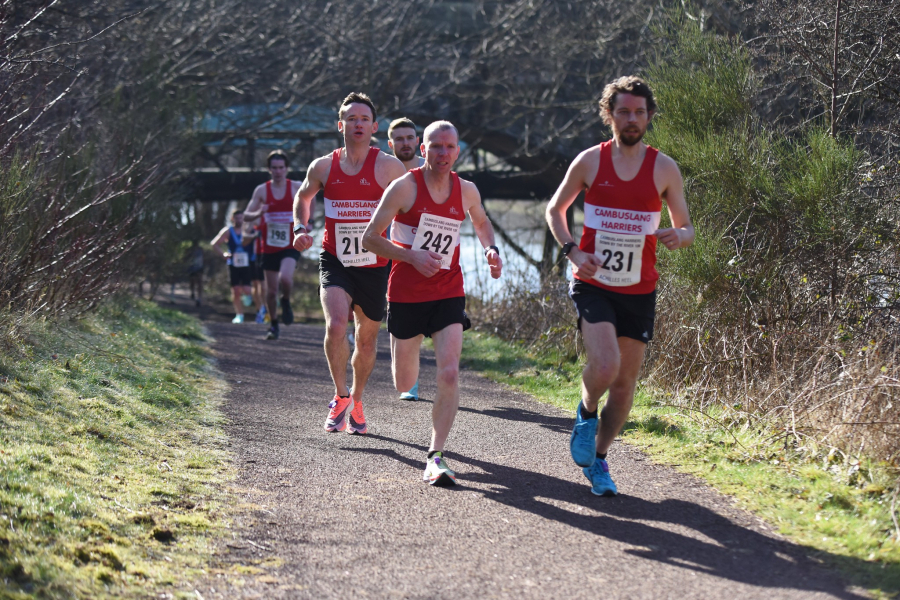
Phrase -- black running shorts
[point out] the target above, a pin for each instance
(408, 319)
(367, 286)
(631, 314)
(257, 273)
(239, 275)
(272, 261)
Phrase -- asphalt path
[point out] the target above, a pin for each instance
(333, 515)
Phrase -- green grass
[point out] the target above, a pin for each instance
(112, 457)
(837, 506)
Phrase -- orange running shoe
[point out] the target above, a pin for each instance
(357, 420)
(336, 415)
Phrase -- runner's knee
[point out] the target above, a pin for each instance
(448, 376)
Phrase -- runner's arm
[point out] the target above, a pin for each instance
(257, 205)
(221, 238)
(484, 229)
(316, 176)
(573, 184)
(398, 197)
(681, 234)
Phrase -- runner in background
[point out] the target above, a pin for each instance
(273, 202)
(237, 249)
(258, 280)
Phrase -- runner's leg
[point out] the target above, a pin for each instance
(336, 305)
(286, 276)
(363, 360)
(447, 350)
(405, 361)
(621, 393)
(603, 359)
(272, 292)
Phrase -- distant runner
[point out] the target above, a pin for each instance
(353, 179)
(238, 252)
(404, 141)
(615, 264)
(425, 293)
(273, 201)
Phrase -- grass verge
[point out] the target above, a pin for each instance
(836, 505)
(112, 457)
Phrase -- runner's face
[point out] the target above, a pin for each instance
(441, 149)
(238, 219)
(630, 118)
(278, 170)
(403, 142)
(357, 124)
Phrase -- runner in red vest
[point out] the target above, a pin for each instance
(274, 201)
(614, 287)
(353, 179)
(425, 292)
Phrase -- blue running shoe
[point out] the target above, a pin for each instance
(583, 443)
(261, 315)
(601, 483)
(412, 394)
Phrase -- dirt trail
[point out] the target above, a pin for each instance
(334, 515)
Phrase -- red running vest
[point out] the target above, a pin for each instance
(620, 218)
(406, 284)
(276, 231)
(350, 201)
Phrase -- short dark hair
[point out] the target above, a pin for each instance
(236, 212)
(357, 98)
(630, 84)
(401, 122)
(278, 154)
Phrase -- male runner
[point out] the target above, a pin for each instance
(258, 279)
(353, 179)
(425, 292)
(273, 201)
(614, 289)
(239, 254)
(403, 142)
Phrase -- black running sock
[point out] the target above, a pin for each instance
(601, 456)
(587, 415)
(433, 452)
(274, 322)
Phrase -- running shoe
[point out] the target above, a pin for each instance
(357, 420)
(246, 299)
(337, 412)
(437, 472)
(238, 319)
(273, 332)
(412, 394)
(261, 316)
(601, 483)
(351, 338)
(287, 315)
(583, 443)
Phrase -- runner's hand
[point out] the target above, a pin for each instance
(586, 265)
(303, 241)
(495, 263)
(670, 237)
(425, 262)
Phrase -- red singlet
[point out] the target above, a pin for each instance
(350, 201)
(276, 231)
(620, 218)
(437, 234)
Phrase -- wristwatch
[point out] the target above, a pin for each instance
(298, 229)
(494, 248)
(567, 247)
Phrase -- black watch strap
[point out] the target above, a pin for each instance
(567, 247)
(494, 248)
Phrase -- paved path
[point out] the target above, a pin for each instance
(339, 516)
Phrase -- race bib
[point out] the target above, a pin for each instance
(620, 258)
(437, 234)
(240, 259)
(278, 235)
(348, 244)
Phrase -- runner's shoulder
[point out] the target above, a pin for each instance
(319, 169)
(666, 166)
(389, 165)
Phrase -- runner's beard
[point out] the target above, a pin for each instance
(406, 155)
(631, 139)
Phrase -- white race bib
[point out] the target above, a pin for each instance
(278, 235)
(437, 234)
(240, 259)
(620, 258)
(348, 243)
